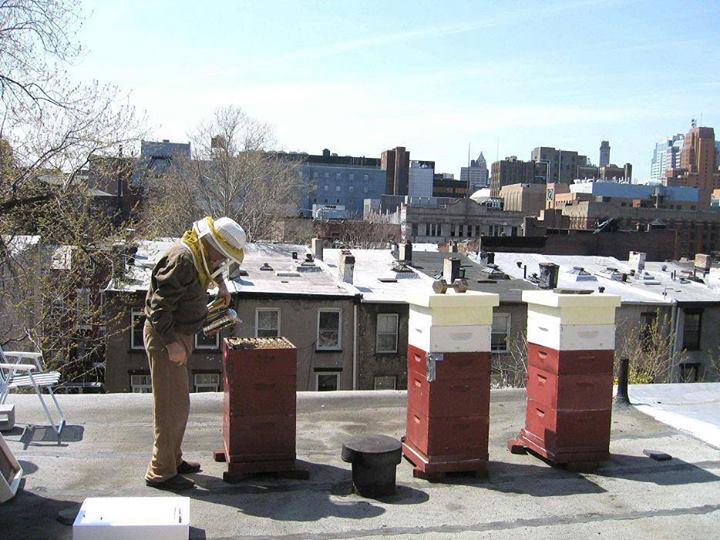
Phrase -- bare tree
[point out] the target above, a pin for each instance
(650, 349)
(50, 121)
(232, 173)
(50, 127)
(510, 370)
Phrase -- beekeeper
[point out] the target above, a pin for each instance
(175, 310)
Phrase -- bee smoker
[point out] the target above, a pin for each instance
(219, 317)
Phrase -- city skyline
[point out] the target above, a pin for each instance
(359, 79)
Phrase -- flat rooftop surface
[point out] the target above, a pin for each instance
(109, 439)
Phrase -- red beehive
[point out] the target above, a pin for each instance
(448, 417)
(259, 378)
(570, 376)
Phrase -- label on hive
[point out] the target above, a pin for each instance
(570, 362)
(450, 338)
(572, 338)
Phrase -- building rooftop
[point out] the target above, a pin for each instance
(376, 275)
(510, 290)
(267, 268)
(107, 447)
(654, 285)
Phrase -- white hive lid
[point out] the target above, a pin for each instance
(451, 299)
(562, 298)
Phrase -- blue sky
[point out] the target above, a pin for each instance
(359, 77)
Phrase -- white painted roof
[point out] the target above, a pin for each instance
(18, 243)
(690, 407)
(372, 265)
(631, 292)
(282, 279)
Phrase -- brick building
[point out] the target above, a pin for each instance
(512, 170)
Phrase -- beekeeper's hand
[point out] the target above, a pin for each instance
(177, 353)
(224, 293)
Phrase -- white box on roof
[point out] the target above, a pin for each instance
(569, 316)
(451, 299)
(429, 338)
(131, 518)
(568, 298)
(453, 309)
(590, 337)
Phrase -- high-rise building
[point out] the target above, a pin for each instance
(697, 164)
(396, 164)
(558, 165)
(604, 153)
(476, 175)
(666, 156)
(512, 170)
(420, 182)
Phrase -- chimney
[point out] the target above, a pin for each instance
(636, 261)
(346, 267)
(405, 252)
(548, 278)
(490, 257)
(451, 269)
(317, 248)
(453, 247)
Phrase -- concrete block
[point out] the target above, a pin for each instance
(120, 518)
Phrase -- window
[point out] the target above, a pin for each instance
(327, 382)
(352, 176)
(267, 322)
(206, 382)
(328, 330)
(387, 333)
(500, 332)
(83, 308)
(140, 384)
(338, 188)
(204, 342)
(351, 188)
(325, 187)
(315, 175)
(385, 382)
(137, 322)
(648, 326)
(692, 329)
(57, 308)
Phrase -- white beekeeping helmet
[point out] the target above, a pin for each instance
(225, 235)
